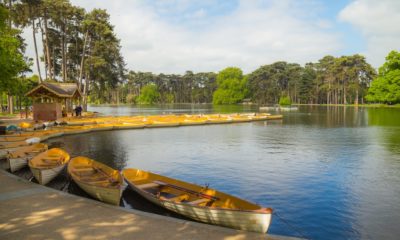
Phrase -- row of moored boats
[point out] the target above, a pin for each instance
(106, 184)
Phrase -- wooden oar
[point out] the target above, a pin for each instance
(199, 194)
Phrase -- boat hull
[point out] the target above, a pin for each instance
(243, 220)
(4, 164)
(16, 164)
(44, 176)
(108, 195)
(97, 179)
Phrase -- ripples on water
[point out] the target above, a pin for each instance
(331, 173)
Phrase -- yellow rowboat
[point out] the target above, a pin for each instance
(26, 125)
(129, 125)
(239, 118)
(5, 152)
(188, 120)
(5, 145)
(163, 123)
(191, 122)
(272, 117)
(218, 120)
(12, 138)
(71, 130)
(19, 157)
(102, 127)
(200, 203)
(97, 179)
(4, 164)
(47, 165)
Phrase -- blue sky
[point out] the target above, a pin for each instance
(172, 36)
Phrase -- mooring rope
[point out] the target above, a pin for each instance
(295, 229)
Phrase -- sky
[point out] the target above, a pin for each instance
(173, 36)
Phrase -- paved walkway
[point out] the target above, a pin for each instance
(32, 211)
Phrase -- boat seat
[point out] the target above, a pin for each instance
(51, 159)
(199, 201)
(147, 185)
(47, 164)
(179, 198)
(94, 179)
(83, 169)
(98, 181)
(84, 172)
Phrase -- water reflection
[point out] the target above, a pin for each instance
(106, 147)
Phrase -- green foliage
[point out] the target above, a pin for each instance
(231, 86)
(392, 63)
(23, 86)
(386, 87)
(12, 61)
(169, 98)
(173, 88)
(268, 82)
(306, 84)
(285, 101)
(149, 95)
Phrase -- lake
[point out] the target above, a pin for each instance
(328, 172)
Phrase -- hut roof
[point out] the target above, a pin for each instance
(62, 90)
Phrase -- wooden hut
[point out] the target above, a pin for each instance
(50, 99)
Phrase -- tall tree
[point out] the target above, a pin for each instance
(231, 86)
(386, 87)
(12, 61)
(104, 64)
(25, 14)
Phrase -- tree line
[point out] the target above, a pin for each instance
(331, 80)
(78, 46)
(82, 47)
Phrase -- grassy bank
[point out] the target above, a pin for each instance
(372, 105)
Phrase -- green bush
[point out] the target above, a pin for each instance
(285, 101)
(231, 86)
(149, 94)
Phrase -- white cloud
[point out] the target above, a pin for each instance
(379, 22)
(250, 34)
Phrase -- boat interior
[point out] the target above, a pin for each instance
(49, 159)
(168, 189)
(94, 173)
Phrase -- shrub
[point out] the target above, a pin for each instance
(285, 101)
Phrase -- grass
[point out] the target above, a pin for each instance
(8, 115)
(372, 105)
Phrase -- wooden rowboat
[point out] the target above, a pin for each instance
(47, 165)
(13, 138)
(97, 179)
(19, 157)
(5, 145)
(4, 164)
(129, 125)
(200, 203)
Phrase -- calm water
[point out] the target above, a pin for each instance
(330, 173)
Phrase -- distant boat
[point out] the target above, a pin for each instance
(47, 165)
(98, 180)
(278, 108)
(200, 203)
